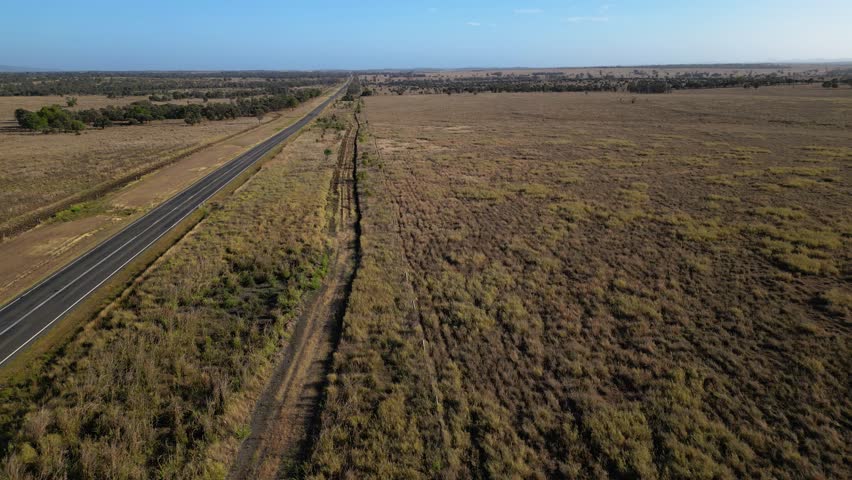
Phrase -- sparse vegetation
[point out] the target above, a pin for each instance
(650, 318)
(156, 386)
(548, 286)
(41, 175)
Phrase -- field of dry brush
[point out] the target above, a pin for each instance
(593, 286)
(162, 384)
(38, 171)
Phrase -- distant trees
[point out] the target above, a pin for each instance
(833, 83)
(649, 86)
(101, 122)
(353, 91)
(165, 86)
(57, 119)
(71, 101)
(640, 81)
(192, 116)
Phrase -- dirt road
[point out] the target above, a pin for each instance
(286, 413)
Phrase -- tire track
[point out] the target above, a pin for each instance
(284, 422)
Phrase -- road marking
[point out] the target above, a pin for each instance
(242, 157)
(72, 282)
(128, 227)
(94, 288)
(261, 151)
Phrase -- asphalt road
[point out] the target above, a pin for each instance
(30, 315)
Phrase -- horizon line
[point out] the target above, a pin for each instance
(16, 69)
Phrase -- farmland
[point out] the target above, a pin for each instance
(584, 286)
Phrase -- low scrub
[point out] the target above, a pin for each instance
(148, 389)
(656, 319)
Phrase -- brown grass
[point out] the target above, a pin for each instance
(650, 318)
(160, 385)
(42, 173)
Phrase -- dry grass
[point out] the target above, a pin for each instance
(43, 173)
(37, 170)
(649, 318)
(157, 386)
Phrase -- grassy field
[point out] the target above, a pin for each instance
(38, 171)
(162, 384)
(78, 224)
(592, 286)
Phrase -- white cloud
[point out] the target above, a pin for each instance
(586, 19)
(474, 24)
(528, 11)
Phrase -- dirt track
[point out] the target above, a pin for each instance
(285, 415)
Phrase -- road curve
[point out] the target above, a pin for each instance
(25, 318)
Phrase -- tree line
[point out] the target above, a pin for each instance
(172, 86)
(588, 83)
(54, 118)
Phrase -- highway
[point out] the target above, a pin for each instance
(25, 318)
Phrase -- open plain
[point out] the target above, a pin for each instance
(471, 239)
(603, 285)
(512, 285)
(162, 383)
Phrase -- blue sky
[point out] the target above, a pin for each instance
(290, 34)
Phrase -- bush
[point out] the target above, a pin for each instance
(49, 119)
(57, 119)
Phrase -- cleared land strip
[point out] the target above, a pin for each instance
(28, 316)
(285, 416)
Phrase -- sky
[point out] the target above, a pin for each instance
(372, 34)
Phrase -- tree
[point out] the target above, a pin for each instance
(193, 117)
(327, 153)
(71, 101)
(102, 122)
(30, 120)
(20, 115)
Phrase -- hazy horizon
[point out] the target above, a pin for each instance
(331, 34)
(815, 61)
